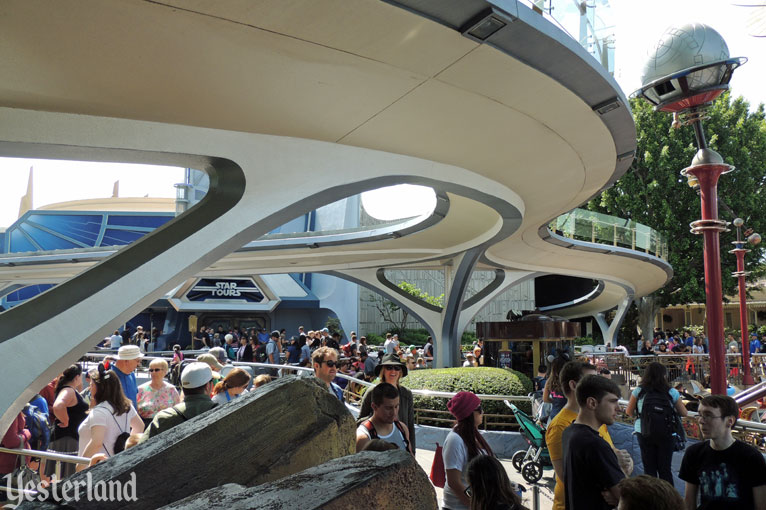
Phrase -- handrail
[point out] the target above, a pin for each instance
(72, 459)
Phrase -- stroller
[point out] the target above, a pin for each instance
(530, 462)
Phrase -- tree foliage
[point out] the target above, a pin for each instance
(654, 193)
(393, 313)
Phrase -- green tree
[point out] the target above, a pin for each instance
(393, 313)
(654, 193)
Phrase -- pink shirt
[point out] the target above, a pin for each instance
(151, 401)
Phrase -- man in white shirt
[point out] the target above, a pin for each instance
(383, 423)
(388, 345)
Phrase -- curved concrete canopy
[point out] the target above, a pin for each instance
(516, 131)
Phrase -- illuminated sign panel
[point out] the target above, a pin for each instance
(228, 289)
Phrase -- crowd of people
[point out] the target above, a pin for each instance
(590, 473)
(684, 342)
(719, 472)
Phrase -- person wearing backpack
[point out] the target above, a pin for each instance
(111, 421)
(657, 407)
(384, 423)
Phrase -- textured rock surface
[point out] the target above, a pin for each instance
(279, 429)
(391, 479)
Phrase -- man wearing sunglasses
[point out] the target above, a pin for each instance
(725, 472)
(325, 360)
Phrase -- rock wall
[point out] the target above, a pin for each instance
(391, 479)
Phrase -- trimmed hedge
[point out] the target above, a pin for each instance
(487, 380)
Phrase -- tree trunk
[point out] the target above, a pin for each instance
(647, 310)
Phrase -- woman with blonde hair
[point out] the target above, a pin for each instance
(261, 380)
(112, 417)
(157, 394)
(233, 385)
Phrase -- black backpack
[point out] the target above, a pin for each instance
(259, 355)
(659, 420)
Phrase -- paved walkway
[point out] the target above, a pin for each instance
(426, 457)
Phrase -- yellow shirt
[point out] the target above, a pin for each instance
(556, 450)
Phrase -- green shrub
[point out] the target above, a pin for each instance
(486, 380)
(469, 337)
(416, 337)
(584, 340)
(373, 339)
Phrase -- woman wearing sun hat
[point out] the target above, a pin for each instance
(392, 371)
(463, 443)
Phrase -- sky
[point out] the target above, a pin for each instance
(637, 24)
(640, 24)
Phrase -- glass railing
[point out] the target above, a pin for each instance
(589, 23)
(594, 227)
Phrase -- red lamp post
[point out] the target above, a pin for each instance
(739, 251)
(707, 167)
(688, 69)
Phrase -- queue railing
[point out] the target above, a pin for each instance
(46, 456)
(680, 367)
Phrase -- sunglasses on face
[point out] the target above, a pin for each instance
(330, 363)
(155, 370)
(395, 368)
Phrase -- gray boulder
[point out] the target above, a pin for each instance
(391, 479)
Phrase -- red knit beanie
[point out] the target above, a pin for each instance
(463, 404)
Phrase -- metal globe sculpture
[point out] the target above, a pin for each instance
(689, 66)
(685, 72)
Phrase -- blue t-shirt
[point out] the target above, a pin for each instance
(129, 386)
(755, 346)
(305, 353)
(293, 354)
(337, 390)
(272, 348)
(674, 395)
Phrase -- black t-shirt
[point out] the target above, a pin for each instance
(590, 467)
(726, 478)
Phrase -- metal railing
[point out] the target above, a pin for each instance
(684, 367)
(601, 228)
(46, 456)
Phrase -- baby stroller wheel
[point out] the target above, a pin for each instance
(517, 459)
(532, 471)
